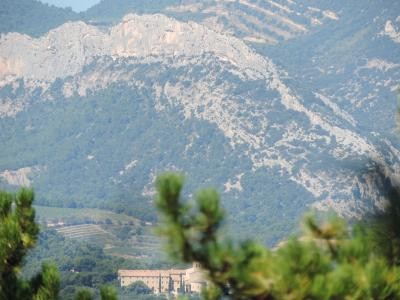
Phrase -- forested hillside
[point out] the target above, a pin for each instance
(113, 10)
(32, 17)
(271, 102)
(282, 106)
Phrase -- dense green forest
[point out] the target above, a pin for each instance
(79, 148)
(35, 18)
(80, 264)
(32, 17)
(113, 10)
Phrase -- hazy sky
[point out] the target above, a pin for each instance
(77, 5)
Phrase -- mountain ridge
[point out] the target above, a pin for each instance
(241, 119)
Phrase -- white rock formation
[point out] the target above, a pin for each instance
(18, 177)
(392, 30)
(65, 51)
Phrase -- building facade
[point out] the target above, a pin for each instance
(173, 281)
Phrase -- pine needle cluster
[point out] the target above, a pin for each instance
(18, 234)
(331, 260)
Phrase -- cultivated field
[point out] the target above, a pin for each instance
(118, 234)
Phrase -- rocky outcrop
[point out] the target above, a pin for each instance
(18, 177)
(276, 124)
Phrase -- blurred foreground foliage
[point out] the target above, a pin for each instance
(331, 260)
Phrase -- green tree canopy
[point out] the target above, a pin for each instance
(18, 234)
(139, 287)
(331, 260)
(108, 293)
(83, 294)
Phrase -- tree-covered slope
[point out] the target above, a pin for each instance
(114, 10)
(90, 115)
(32, 17)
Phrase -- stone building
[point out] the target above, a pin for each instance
(173, 281)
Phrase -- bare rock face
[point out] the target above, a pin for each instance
(62, 52)
(18, 177)
(66, 50)
(392, 30)
(199, 71)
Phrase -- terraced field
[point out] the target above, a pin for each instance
(118, 234)
(261, 21)
(82, 231)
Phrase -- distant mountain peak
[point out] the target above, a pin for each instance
(283, 120)
(65, 50)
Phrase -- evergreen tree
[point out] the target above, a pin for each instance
(18, 234)
(83, 294)
(332, 260)
(108, 293)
